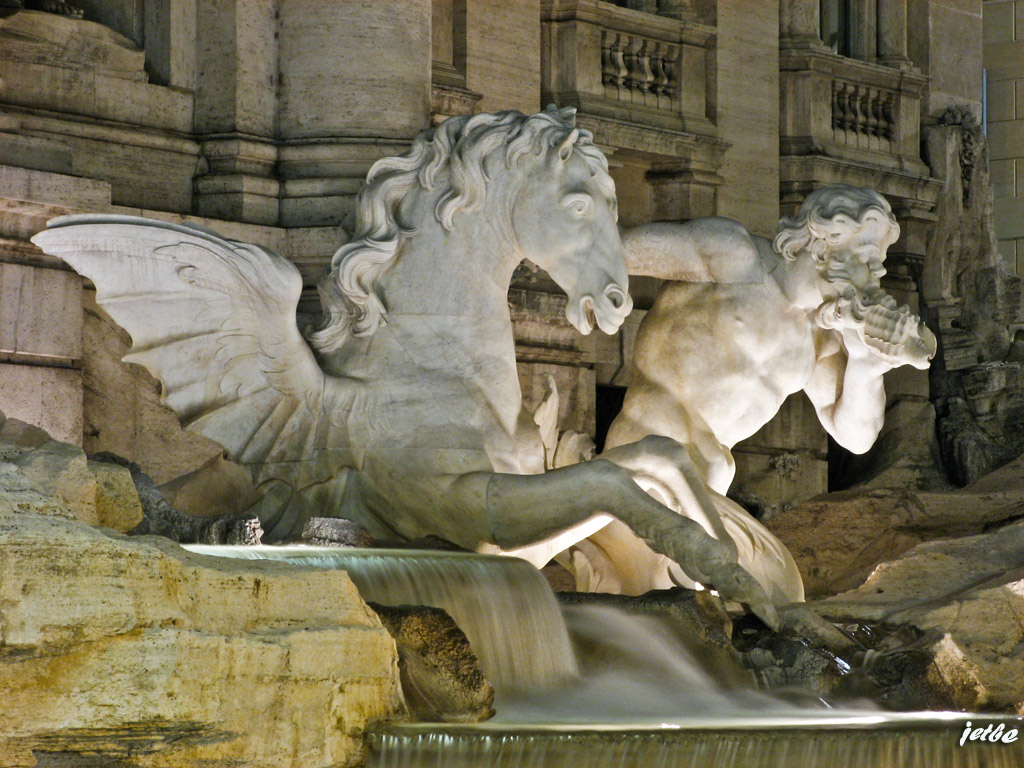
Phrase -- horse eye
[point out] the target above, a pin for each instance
(578, 205)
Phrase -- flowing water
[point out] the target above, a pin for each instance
(503, 604)
(637, 697)
(865, 741)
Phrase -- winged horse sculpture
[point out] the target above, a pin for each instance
(404, 411)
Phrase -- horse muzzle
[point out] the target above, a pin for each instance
(607, 311)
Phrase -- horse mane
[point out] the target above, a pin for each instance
(449, 157)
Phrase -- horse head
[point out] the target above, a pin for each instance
(564, 221)
(540, 182)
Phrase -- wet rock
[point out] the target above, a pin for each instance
(441, 677)
(161, 519)
(781, 663)
(131, 652)
(336, 532)
(967, 597)
(891, 667)
(341, 532)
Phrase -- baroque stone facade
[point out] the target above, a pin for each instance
(260, 120)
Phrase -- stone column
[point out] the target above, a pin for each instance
(800, 24)
(354, 87)
(892, 33)
(236, 74)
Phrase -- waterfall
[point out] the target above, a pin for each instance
(637, 697)
(633, 668)
(503, 604)
(882, 741)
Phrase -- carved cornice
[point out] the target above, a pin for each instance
(869, 73)
(627, 20)
(663, 147)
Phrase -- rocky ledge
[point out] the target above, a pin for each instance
(130, 651)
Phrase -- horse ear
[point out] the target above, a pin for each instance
(565, 148)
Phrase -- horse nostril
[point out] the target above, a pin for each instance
(616, 296)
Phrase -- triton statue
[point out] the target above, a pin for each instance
(741, 326)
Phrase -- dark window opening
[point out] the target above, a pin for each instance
(835, 25)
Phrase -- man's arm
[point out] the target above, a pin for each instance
(709, 250)
(846, 389)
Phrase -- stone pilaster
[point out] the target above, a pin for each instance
(235, 119)
(892, 33)
(800, 24)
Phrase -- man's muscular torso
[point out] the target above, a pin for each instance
(745, 349)
(718, 353)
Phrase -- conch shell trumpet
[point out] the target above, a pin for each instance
(897, 335)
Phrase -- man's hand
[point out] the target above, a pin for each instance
(891, 336)
(868, 358)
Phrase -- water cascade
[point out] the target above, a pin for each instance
(503, 604)
(637, 697)
(868, 741)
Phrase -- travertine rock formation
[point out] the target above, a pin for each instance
(135, 652)
(838, 539)
(966, 597)
(44, 476)
(441, 677)
(973, 301)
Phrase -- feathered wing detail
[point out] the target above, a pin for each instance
(214, 321)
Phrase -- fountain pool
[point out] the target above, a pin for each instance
(646, 701)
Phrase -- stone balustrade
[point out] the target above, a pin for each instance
(626, 64)
(863, 115)
(639, 70)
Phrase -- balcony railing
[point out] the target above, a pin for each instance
(863, 116)
(626, 64)
(639, 70)
(861, 112)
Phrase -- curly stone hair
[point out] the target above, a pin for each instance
(450, 157)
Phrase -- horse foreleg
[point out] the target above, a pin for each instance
(527, 509)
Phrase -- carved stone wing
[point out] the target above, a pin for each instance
(214, 321)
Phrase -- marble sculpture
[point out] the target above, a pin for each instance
(403, 411)
(742, 324)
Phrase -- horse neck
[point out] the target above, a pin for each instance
(463, 273)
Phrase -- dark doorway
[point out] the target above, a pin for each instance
(609, 403)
